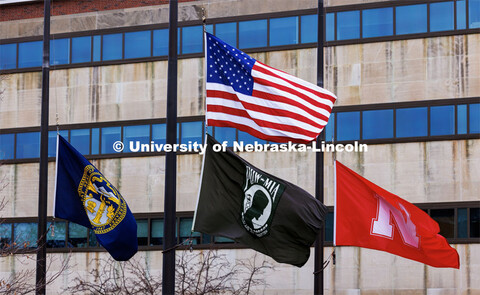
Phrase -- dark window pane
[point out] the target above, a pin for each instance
(30, 54)
(8, 56)
(192, 132)
(186, 231)
(137, 44)
(253, 33)
(329, 129)
(222, 240)
(92, 239)
(159, 133)
(412, 122)
(442, 120)
(25, 235)
(348, 126)
(474, 14)
(284, 31)
(77, 235)
(474, 222)
(446, 221)
(441, 16)
(28, 145)
(329, 27)
(7, 142)
(192, 39)
(348, 25)
(81, 49)
(59, 51)
(227, 32)
(80, 139)
(160, 42)
(377, 22)
(56, 234)
(95, 141)
(462, 119)
(377, 124)
(474, 114)
(411, 19)
(249, 139)
(156, 236)
(112, 47)
(329, 227)
(109, 136)
(52, 141)
(97, 53)
(142, 232)
(135, 136)
(5, 235)
(225, 134)
(461, 13)
(209, 29)
(309, 28)
(462, 223)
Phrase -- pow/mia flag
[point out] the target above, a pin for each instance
(243, 203)
(84, 196)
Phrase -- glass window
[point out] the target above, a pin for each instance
(52, 141)
(253, 33)
(160, 42)
(330, 128)
(329, 27)
(60, 51)
(377, 22)
(249, 139)
(77, 235)
(348, 126)
(8, 56)
(138, 44)
(412, 122)
(134, 134)
(225, 134)
(5, 235)
(227, 32)
(92, 239)
(474, 222)
(95, 141)
(56, 234)
(284, 31)
(462, 119)
(7, 144)
(445, 219)
(192, 132)
(156, 237)
(159, 133)
(25, 235)
(209, 29)
(441, 16)
(97, 48)
(348, 25)
(474, 14)
(329, 227)
(309, 28)
(411, 19)
(112, 47)
(222, 240)
(80, 139)
(461, 13)
(109, 136)
(474, 114)
(186, 229)
(30, 54)
(81, 49)
(28, 145)
(192, 39)
(442, 120)
(377, 124)
(142, 232)
(462, 223)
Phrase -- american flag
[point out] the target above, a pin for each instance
(267, 103)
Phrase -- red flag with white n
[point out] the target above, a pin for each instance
(368, 216)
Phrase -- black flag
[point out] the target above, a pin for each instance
(243, 203)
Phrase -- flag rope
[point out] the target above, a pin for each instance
(332, 258)
(190, 243)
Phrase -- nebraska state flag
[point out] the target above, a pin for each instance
(368, 216)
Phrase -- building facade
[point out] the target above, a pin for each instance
(407, 78)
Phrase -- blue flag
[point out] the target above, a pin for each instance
(84, 196)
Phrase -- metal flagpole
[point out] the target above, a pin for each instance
(319, 162)
(168, 275)
(43, 179)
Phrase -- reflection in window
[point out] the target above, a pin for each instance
(112, 47)
(462, 119)
(461, 13)
(77, 235)
(6, 146)
(25, 235)
(95, 141)
(192, 39)
(8, 56)
(192, 132)
(30, 54)
(137, 44)
(60, 51)
(474, 114)
(109, 136)
(52, 141)
(377, 124)
(329, 129)
(445, 219)
(442, 120)
(92, 239)
(80, 139)
(160, 42)
(462, 223)
(156, 232)
(249, 139)
(329, 27)
(56, 234)
(227, 32)
(441, 16)
(222, 240)
(186, 229)
(377, 22)
(284, 31)
(474, 222)
(309, 28)
(348, 126)
(136, 134)
(81, 49)
(225, 134)
(348, 25)
(97, 43)
(329, 227)
(412, 122)
(474, 14)
(411, 19)
(5, 235)
(28, 145)
(159, 133)
(253, 33)
(142, 232)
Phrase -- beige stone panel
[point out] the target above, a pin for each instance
(375, 73)
(346, 55)
(60, 24)
(30, 27)
(409, 70)
(413, 49)
(286, 61)
(85, 22)
(188, 181)
(347, 269)
(7, 190)
(190, 87)
(378, 52)
(472, 87)
(408, 91)
(307, 66)
(375, 93)
(24, 202)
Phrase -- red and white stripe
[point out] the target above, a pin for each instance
(282, 107)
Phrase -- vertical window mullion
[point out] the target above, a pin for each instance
(268, 32)
(428, 121)
(428, 17)
(455, 21)
(361, 123)
(361, 36)
(151, 43)
(468, 118)
(394, 20)
(467, 20)
(123, 47)
(456, 119)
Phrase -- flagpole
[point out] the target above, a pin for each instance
(168, 274)
(43, 178)
(319, 163)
